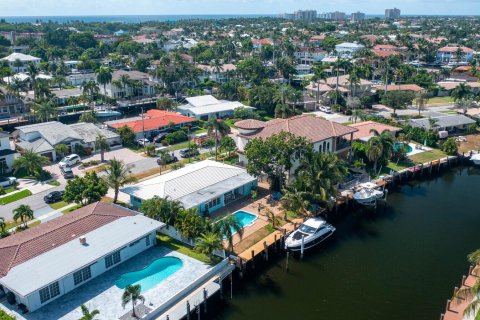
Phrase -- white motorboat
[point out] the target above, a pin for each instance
(476, 159)
(106, 112)
(311, 232)
(367, 194)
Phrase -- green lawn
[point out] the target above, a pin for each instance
(54, 183)
(58, 205)
(428, 156)
(178, 146)
(13, 224)
(175, 245)
(199, 130)
(9, 190)
(440, 100)
(75, 207)
(397, 167)
(16, 196)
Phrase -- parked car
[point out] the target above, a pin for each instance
(171, 159)
(143, 142)
(70, 160)
(189, 153)
(53, 196)
(160, 136)
(7, 182)
(325, 109)
(66, 172)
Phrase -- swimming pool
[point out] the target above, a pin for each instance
(152, 275)
(398, 145)
(245, 218)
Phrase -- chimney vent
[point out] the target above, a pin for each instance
(83, 240)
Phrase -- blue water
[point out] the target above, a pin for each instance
(130, 18)
(152, 275)
(245, 218)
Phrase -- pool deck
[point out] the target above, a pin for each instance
(101, 293)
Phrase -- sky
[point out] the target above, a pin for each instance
(166, 7)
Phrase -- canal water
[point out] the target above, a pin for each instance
(400, 262)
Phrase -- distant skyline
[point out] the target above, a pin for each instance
(195, 7)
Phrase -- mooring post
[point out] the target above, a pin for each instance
(188, 310)
(275, 247)
(448, 304)
(221, 288)
(253, 259)
(302, 247)
(241, 268)
(286, 263)
(265, 247)
(442, 316)
(231, 286)
(198, 310)
(464, 277)
(205, 297)
(470, 270)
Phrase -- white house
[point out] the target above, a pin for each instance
(24, 59)
(348, 49)
(41, 264)
(10, 104)
(43, 137)
(206, 107)
(147, 87)
(7, 154)
(457, 54)
(219, 74)
(305, 55)
(207, 185)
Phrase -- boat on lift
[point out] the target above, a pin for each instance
(475, 159)
(368, 193)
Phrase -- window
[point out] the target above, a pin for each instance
(147, 240)
(82, 275)
(212, 203)
(49, 292)
(135, 199)
(112, 259)
(134, 243)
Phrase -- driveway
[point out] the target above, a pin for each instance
(335, 117)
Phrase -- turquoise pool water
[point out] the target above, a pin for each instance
(407, 147)
(152, 275)
(245, 218)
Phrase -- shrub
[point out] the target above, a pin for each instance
(5, 316)
(450, 147)
(150, 150)
(2, 191)
(80, 150)
(177, 166)
(176, 137)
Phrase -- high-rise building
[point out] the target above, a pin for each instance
(337, 15)
(357, 16)
(305, 15)
(392, 14)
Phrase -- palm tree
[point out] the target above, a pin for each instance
(471, 293)
(46, 111)
(358, 114)
(163, 158)
(380, 146)
(319, 75)
(23, 213)
(104, 77)
(208, 242)
(421, 100)
(33, 73)
(219, 128)
(162, 209)
(30, 161)
(227, 227)
(87, 314)
(101, 144)
(90, 89)
(190, 224)
(132, 294)
(272, 218)
(18, 64)
(319, 173)
(118, 175)
(462, 91)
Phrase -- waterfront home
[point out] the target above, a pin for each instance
(24, 59)
(348, 49)
(43, 137)
(454, 53)
(306, 55)
(41, 264)
(365, 128)
(206, 107)
(147, 87)
(213, 73)
(10, 104)
(330, 84)
(450, 123)
(206, 185)
(399, 87)
(446, 87)
(326, 136)
(153, 122)
(259, 43)
(7, 154)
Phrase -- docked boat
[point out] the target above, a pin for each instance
(311, 232)
(106, 112)
(368, 193)
(475, 159)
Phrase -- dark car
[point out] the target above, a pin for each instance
(171, 159)
(189, 153)
(66, 172)
(54, 196)
(159, 137)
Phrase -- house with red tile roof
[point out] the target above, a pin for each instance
(325, 136)
(364, 129)
(41, 264)
(152, 122)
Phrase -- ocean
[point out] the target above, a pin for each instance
(129, 18)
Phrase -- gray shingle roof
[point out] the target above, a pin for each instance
(443, 121)
(53, 132)
(89, 131)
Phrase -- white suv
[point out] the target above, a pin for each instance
(69, 161)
